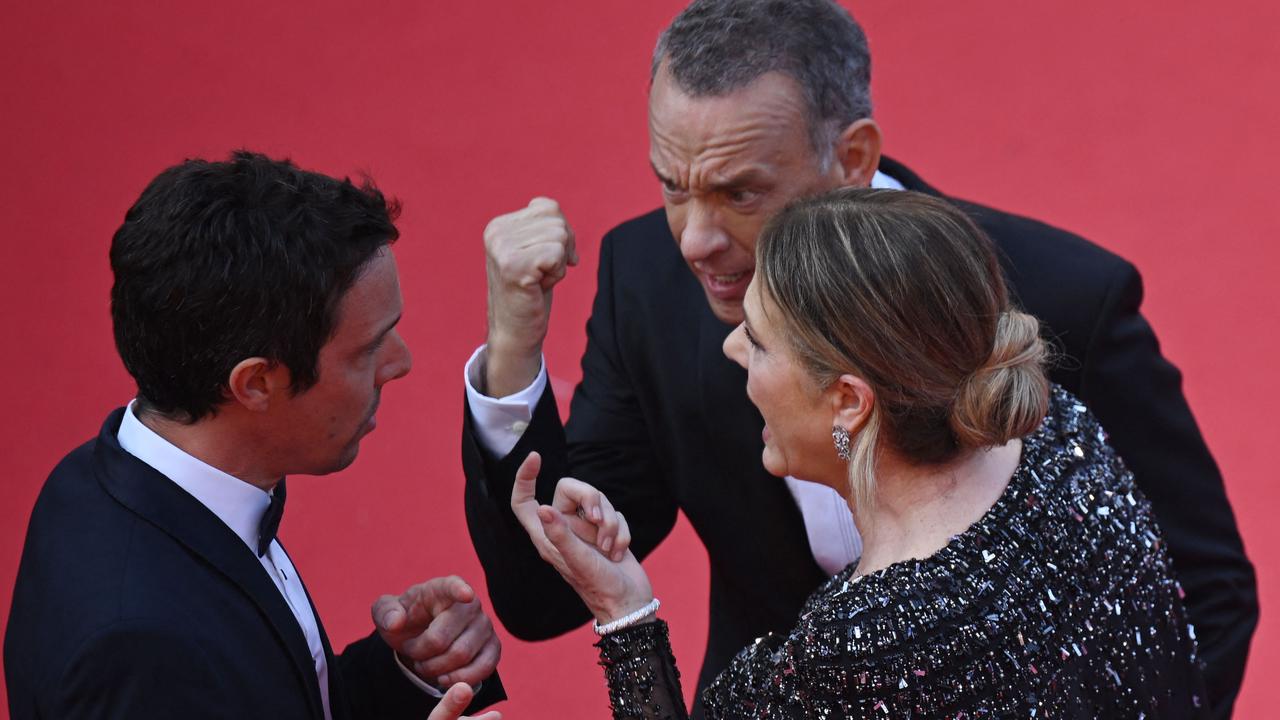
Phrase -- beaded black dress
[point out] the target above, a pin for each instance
(1060, 602)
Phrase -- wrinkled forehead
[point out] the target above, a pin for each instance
(763, 119)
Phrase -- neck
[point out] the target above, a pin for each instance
(918, 509)
(216, 442)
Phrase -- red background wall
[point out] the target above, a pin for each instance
(1147, 126)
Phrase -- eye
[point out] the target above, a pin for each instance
(743, 196)
(751, 338)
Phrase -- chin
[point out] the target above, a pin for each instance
(729, 313)
(343, 461)
(773, 466)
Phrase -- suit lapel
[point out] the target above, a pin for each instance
(162, 503)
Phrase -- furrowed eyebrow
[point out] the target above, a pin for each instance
(738, 181)
(662, 178)
(743, 179)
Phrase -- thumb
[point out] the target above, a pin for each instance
(526, 480)
(453, 703)
(388, 613)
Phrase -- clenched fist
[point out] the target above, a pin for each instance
(526, 253)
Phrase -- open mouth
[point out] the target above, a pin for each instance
(727, 286)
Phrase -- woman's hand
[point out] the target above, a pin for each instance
(455, 700)
(585, 539)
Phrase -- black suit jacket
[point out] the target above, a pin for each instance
(661, 423)
(133, 600)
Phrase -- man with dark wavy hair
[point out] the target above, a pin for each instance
(755, 103)
(255, 304)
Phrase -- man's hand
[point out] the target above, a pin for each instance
(439, 632)
(526, 253)
(455, 701)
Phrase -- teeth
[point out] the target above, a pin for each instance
(729, 279)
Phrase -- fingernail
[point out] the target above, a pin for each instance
(608, 543)
(442, 681)
(595, 514)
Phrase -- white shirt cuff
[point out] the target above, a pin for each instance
(422, 685)
(500, 422)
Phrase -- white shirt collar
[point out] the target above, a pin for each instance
(880, 180)
(236, 503)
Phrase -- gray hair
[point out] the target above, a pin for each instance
(715, 47)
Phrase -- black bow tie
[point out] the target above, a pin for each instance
(271, 519)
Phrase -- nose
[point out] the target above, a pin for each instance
(702, 236)
(735, 346)
(399, 361)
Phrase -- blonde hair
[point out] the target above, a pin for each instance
(904, 291)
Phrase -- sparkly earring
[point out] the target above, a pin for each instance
(841, 438)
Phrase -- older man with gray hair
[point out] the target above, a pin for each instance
(753, 104)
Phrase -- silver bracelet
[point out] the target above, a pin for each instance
(627, 620)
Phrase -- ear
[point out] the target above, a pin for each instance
(851, 402)
(254, 382)
(857, 153)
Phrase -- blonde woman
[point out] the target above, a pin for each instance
(1010, 567)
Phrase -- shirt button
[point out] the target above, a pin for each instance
(519, 426)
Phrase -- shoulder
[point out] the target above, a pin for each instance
(72, 582)
(642, 249)
(1032, 250)
(1055, 274)
(643, 273)
(1070, 284)
(649, 227)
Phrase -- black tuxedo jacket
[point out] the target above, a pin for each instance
(661, 422)
(133, 600)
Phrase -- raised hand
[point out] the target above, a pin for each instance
(526, 253)
(439, 631)
(455, 701)
(585, 539)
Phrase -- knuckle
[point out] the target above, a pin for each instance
(432, 643)
(495, 230)
(456, 656)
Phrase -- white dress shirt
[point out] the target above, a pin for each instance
(240, 506)
(499, 423)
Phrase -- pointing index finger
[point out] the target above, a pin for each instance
(435, 596)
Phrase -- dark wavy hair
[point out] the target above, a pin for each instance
(220, 261)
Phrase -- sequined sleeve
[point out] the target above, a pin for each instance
(641, 672)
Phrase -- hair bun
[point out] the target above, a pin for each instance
(1008, 396)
